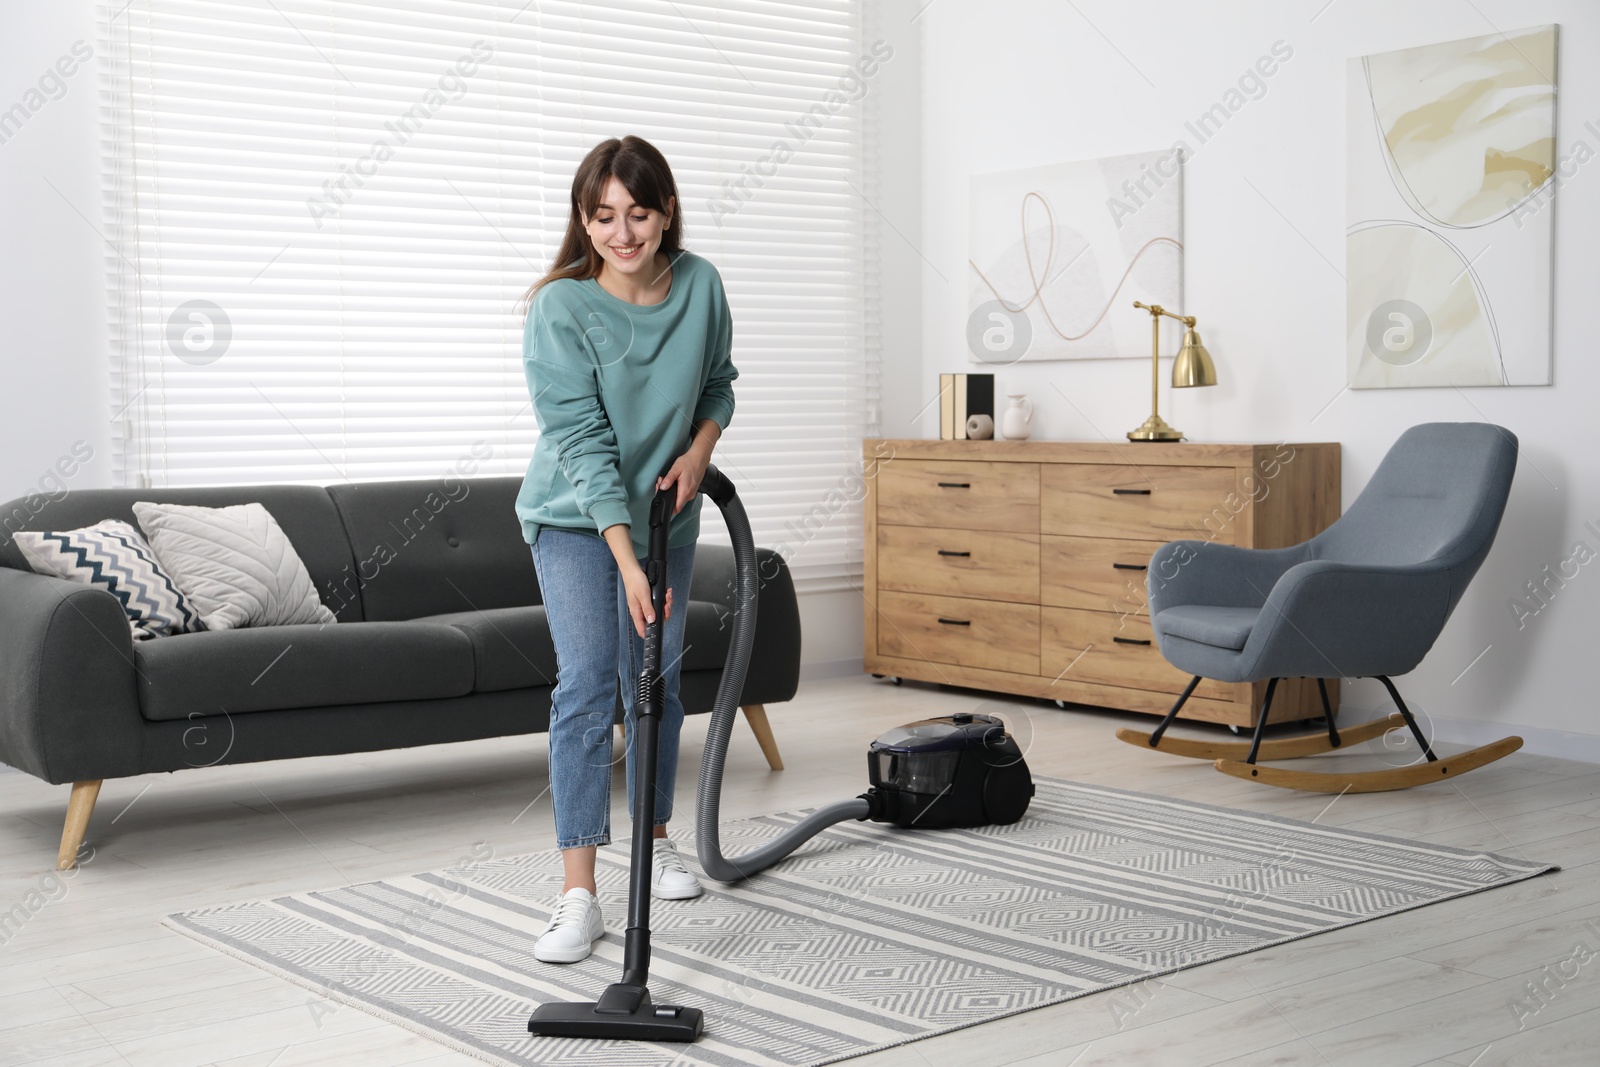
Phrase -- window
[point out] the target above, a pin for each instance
(324, 214)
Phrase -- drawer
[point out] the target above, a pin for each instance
(969, 495)
(965, 632)
(1096, 573)
(1121, 650)
(1147, 503)
(985, 564)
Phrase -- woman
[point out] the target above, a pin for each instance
(626, 350)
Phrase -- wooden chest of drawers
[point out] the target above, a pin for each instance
(1019, 566)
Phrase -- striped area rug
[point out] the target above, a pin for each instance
(869, 937)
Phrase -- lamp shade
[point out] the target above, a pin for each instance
(1193, 365)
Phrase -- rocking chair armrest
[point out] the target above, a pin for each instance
(1204, 572)
(1348, 620)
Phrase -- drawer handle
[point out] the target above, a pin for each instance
(947, 552)
(1131, 492)
(1129, 641)
(1131, 566)
(966, 622)
(955, 485)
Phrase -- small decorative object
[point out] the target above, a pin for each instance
(1452, 176)
(1018, 422)
(1052, 249)
(1192, 367)
(979, 427)
(962, 396)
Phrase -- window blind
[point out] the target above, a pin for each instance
(323, 215)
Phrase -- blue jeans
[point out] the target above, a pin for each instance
(596, 648)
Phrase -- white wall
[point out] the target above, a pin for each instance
(1020, 84)
(56, 389)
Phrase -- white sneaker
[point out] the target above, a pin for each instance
(669, 878)
(573, 930)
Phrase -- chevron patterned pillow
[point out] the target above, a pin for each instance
(235, 564)
(114, 555)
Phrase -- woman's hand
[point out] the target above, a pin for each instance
(639, 604)
(634, 582)
(689, 469)
(686, 473)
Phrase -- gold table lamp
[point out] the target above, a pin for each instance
(1192, 367)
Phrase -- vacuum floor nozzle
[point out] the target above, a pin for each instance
(623, 1013)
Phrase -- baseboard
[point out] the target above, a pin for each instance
(1536, 740)
(818, 670)
(1585, 748)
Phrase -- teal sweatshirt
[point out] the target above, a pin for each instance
(616, 389)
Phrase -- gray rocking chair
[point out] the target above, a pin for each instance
(1365, 598)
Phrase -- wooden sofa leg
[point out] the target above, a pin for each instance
(757, 716)
(79, 807)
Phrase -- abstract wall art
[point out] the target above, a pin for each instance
(1451, 170)
(1059, 253)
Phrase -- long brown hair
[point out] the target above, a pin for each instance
(643, 170)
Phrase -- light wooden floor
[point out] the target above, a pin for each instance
(91, 978)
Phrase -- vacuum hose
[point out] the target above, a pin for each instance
(746, 585)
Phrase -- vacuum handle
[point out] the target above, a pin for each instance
(655, 570)
(716, 485)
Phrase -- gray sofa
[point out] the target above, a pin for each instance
(441, 636)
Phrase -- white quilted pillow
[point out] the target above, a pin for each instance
(234, 564)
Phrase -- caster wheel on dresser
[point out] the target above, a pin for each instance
(1062, 704)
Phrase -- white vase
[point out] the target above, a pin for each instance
(1017, 423)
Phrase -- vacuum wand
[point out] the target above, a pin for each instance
(647, 729)
(625, 1010)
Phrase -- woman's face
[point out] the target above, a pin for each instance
(625, 234)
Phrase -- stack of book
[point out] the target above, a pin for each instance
(960, 397)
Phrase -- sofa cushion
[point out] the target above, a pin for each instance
(278, 667)
(511, 647)
(1221, 627)
(435, 546)
(705, 642)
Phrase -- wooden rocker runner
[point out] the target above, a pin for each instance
(1367, 597)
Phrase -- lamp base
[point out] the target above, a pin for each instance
(1155, 428)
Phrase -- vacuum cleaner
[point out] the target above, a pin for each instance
(957, 771)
